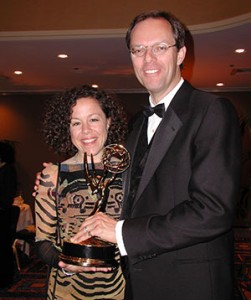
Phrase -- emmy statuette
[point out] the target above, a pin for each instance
(95, 252)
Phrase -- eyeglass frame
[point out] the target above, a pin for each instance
(152, 49)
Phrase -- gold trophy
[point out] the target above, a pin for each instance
(95, 252)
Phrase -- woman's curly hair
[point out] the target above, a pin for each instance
(57, 117)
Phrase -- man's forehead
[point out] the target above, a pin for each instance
(151, 30)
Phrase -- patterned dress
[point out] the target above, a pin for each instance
(75, 203)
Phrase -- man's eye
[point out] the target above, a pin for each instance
(137, 51)
(161, 48)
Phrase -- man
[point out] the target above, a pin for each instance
(181, 189)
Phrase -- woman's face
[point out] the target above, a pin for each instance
(89, 127)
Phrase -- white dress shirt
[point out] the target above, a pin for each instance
(153, 123)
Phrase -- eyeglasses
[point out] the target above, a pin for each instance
(157, 49)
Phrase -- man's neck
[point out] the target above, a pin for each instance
(157, 98)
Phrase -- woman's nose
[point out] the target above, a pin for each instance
(86, 128)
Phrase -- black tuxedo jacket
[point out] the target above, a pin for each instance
(178, 234)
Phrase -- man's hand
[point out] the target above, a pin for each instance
(99, 225)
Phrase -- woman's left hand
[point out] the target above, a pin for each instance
(99, 225)
(72, 269)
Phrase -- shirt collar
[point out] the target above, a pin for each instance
(168, 98)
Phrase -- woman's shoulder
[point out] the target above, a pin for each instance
(50, 172)
(50, 168)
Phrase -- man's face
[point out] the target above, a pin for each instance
(157, 73)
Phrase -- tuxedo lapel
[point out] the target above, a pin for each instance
(162, 140)
(131, 145)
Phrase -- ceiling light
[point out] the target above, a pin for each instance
(62, 55)
(18, 72)
(240, 50)
(220, 84)
(95, 86)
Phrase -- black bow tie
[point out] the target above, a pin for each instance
(159, 110)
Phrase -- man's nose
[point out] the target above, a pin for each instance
(148, 56)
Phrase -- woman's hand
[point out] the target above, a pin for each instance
(99, 225)
(72, 269)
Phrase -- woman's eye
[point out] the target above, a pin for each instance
(94, 120)
(75, 123)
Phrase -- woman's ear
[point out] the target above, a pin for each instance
(108, 123)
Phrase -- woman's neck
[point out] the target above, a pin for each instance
(78, 158)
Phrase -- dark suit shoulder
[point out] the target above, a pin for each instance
(199, 98)
(191, 103)
(206, 99)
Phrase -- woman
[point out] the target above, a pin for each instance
(8, 188)
(80, 120)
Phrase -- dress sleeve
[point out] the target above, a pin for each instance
(46, 216)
